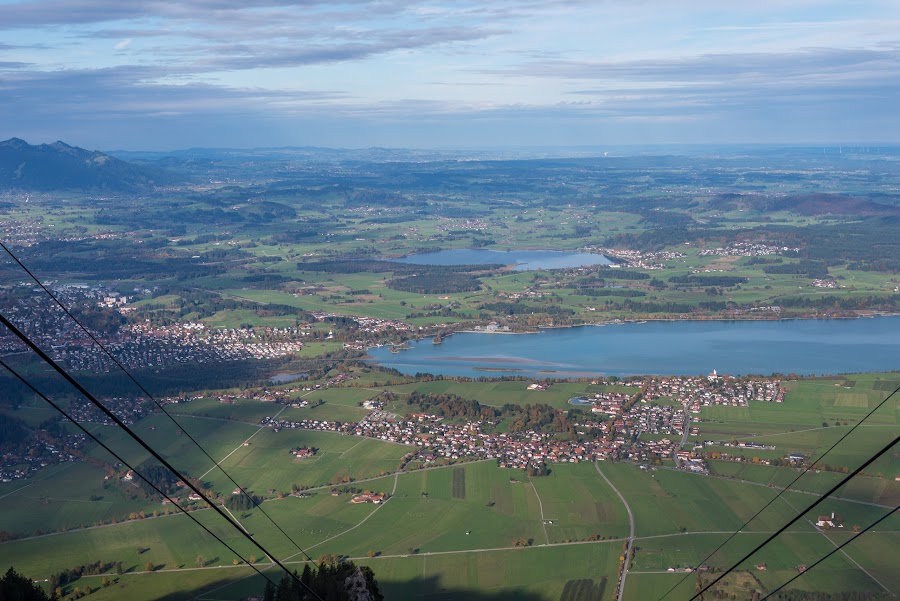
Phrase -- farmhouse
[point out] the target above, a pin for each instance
(375, 498)
(825, 521)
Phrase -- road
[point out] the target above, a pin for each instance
(630, 539)
(541, 505)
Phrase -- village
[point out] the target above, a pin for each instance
(140, 344)
(143, 344)
(37, 452)
(635, 258)
(747, 249)
(634, 427)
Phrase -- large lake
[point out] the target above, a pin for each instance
(524, 260)
(672, 347)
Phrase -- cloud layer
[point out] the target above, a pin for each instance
(164, 74)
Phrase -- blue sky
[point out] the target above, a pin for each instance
(161, 74)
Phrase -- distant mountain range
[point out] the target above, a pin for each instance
(59, 166)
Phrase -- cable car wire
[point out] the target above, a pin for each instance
(49, 361)
(800, 514)
(835, 550)
(161, 407)
(129, 466)
(783, 490)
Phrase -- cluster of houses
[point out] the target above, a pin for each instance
(608, 403)
(753, 446)
(824, 283)
(41, 319)
(525, 294)
(23, 232)
(432, 438)
(128, 409)
(636, 258)
(696, 391)
(37, 453)
(303, 452)
(135, 345)
(114, 300)
(747, 249)
(687, 460)
(375, 498)
(30, 231)
(638, 431)
(371, 330)
(144, 345)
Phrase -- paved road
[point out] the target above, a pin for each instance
(630, 539)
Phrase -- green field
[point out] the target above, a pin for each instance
(266, 463)
(473, 530)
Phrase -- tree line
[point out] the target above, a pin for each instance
(332, 579)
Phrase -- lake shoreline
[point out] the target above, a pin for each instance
(601, 324)
(668, 346)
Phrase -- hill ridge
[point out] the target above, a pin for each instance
(61, 166)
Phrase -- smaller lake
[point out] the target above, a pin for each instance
(285, 378)
(524, 260)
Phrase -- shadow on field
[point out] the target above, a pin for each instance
(433, 589)
(420, 588)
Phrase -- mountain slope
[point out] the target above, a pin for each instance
(59, 166)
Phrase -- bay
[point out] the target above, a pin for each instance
(804, 347)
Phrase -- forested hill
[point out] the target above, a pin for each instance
(58, 166)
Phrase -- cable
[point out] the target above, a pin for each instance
(835, 550)
(778, 496)
(815, 503)
(146, 447)
(109, 354)
(126, 464)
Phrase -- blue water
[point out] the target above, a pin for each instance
(285, 378)
(524, 260)
(675, 347)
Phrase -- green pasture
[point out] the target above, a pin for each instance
(175, 541)
(492, 512)
(652, 586)
(870, 489)
(242, 410)
(59, 497)
(32, 412)
(666, 501)
(266, 463)
(525, 574)
(497, 394)
(217, 436)
(579, 504)
(781, 557)
(875, 550)
(436, 521)
(330, 411)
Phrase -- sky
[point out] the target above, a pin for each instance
(162, 74)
